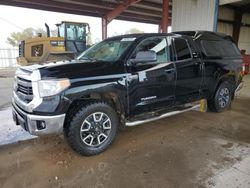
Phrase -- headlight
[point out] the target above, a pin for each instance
(52, 87)
(57, 43)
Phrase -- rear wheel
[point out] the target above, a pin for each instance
(222, 98)
(92, 129)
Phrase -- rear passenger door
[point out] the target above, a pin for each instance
(189, 69)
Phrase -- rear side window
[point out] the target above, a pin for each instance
(182, 49)
(223, 48)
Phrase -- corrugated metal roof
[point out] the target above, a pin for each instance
(241, 5)
(146, 11)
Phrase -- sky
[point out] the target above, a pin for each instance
(15, 19)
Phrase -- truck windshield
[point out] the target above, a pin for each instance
(108, 50)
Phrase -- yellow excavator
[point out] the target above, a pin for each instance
(71, 40)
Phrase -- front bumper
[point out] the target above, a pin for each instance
(38, 124)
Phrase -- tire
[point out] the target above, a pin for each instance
(92, 129)
(222, 99)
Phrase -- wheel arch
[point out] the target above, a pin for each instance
(111, 98)
(229, 77)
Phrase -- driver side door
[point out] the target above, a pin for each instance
(151, 85)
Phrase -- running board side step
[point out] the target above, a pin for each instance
(239, 87)
(134, 123)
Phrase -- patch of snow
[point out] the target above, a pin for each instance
(9, 132)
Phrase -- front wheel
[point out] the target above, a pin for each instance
(92, 129)
(222, 98)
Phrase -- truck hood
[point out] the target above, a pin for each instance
(76, 69)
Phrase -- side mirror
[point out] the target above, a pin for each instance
(144, 57)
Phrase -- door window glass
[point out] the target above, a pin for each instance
(182, 49)
(157, 44)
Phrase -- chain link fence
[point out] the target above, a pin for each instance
(8, 57)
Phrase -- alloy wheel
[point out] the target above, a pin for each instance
(224, 97)
(95, 129)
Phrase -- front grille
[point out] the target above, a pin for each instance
(24, 89)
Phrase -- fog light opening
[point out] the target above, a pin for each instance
(40, 125)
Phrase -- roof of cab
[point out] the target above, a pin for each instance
(196, 35)
(205, 35)
(139, 35)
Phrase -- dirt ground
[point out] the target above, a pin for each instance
(192, 149)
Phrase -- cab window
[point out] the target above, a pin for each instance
(157, 44)
(75, 32)
(61, 30)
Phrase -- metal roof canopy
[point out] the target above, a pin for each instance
(145, 11)
(240, 7)
(242, 4)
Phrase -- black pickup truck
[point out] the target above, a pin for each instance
(124, 81)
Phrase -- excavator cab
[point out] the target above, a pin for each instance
(75, 35)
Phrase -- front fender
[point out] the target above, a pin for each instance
(113, 89)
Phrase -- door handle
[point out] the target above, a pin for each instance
(170, 74)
